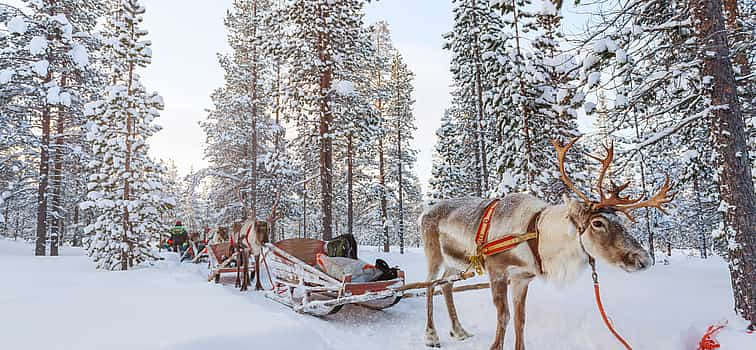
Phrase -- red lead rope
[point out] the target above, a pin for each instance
(597, 292)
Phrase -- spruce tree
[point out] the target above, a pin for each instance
(125, 195)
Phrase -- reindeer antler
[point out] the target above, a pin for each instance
(661, 197)
(606, 162)
(561, 154)
(612, 198)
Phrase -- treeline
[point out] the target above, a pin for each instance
(74, 124)
(669, 83)
(312, 129)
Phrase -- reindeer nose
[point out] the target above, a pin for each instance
(638, 261)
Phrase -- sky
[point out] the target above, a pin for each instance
(184, 69)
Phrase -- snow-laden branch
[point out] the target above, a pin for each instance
(673, 129)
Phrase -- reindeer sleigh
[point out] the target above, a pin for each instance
(298, 284)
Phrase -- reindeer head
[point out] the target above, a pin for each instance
(602, 231)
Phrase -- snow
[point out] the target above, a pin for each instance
(171, 306)
(620, 100)
(6, 75)
(548, 8)
(53, 95)
(37, 45)
(594, 78)
(79, 55)
(40, 67)
(17, 25)
(344, 87)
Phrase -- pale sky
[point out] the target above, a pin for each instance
(187, 34)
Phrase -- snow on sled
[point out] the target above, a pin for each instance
(222, 262)
(298, 284)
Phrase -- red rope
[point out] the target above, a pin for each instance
(597, 292)
(606, 319)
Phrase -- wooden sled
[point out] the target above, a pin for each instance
(220, 260)
(302, 287)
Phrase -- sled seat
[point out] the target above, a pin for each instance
(304, 249)
(220, 257)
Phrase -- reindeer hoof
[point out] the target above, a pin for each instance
(460, 334)
(431, 340)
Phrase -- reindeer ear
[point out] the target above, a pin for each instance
(577, 212)
(565, 198)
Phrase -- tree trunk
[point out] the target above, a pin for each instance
(304, 209)
(735, 179)
(56, 232)
(481, 143)
(126, 252)
(525, 108)
(646, 211)
(44, 169)
(350, 184)
(732, 13)
(384, 199)
(700, 217)
(253, 96)
(76, 238)
(399, 186)
(326, 143)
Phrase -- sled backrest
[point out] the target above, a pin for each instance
(305, 249)
(220, 250)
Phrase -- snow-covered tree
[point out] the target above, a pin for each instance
(45, 78)
(325, 41)
(476, 25)
(125, 190)
(405, 192)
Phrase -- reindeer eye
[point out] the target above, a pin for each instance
(597, 224)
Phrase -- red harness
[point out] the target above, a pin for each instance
(486, 248)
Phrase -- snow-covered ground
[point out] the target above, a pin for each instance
(64, 303)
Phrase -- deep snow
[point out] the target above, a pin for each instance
(64, 303)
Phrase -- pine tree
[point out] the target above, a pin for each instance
(447, 175)
(44, 74)
(125, 189)
(476, 23)
(402, 123)
(734, 169)
(325, 39)
(671, 62)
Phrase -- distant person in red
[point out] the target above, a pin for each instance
(178, 236)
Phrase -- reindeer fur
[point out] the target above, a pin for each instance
(449, 229)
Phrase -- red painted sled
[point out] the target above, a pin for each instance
(220, 260)
(302, 287)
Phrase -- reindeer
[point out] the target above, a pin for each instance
(565, 239)
(247, 240)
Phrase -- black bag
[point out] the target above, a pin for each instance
(388, 273)
(344, 246)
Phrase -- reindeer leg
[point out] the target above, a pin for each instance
(457, 332)
(431, 337)
(519, 294)
(245, 271)
(499, 292)
(258, 282)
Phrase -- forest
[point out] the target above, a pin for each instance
(313, 129)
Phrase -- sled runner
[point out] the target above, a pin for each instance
(191, 255)
(224, 263)
(298, 284)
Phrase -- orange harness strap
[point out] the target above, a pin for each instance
(496, 246)
(597, 292)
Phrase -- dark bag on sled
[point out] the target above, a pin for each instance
(344, 246)
(388, 272)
